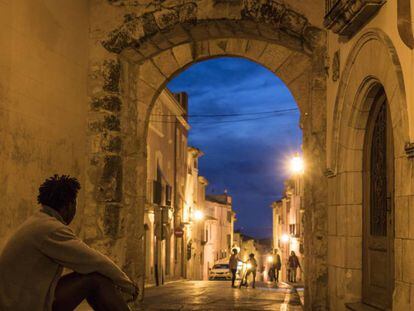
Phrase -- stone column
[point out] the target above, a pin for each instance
(116, 174)
(315, 194)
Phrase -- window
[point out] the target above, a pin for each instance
(229, 216)
(168, 192)
(229, 240)
(157, 192)
(292, 229)
(206, 238)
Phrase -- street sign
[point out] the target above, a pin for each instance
(178, 232)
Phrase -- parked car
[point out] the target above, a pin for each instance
(219, 271)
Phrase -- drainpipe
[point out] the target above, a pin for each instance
(176, 257)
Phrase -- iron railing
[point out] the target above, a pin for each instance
(329, 4)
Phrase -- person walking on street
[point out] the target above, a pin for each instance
(251, 269)
(233, 264)
(271, 271)
(278, 266)
(293, 266)
(33, 259)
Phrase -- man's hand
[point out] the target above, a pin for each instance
(134, 294)
(130, 294)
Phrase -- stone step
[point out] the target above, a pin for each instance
(359, 306)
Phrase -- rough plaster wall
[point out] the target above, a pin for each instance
(43, 100)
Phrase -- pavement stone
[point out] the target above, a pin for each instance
(218, 295)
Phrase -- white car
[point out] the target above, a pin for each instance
(220, 271)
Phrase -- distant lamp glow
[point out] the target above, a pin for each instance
(270, 259)
(285, 238)
(198, 215)
(296, 165)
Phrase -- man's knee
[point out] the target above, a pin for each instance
(97, 280)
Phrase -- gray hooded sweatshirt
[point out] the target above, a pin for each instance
(32, 261)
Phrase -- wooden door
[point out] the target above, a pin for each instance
(378, 218)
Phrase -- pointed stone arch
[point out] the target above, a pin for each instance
(136, 52)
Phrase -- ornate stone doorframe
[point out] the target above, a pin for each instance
(136, 51)
(372, 61)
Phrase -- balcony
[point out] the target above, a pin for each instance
(347, 17)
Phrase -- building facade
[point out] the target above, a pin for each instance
(219, 207)
(166, 178)
(348, 63)
(369, 154)
(194, 217)
(288, 233)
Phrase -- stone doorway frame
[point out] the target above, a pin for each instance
(129, 70)
(372, 62)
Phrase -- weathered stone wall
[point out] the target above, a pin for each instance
(80, 105)
(375, 55)
(43, 101)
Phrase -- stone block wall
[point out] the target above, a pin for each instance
(372, 62)
(43, 101)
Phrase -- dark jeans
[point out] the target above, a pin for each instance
(277, 275)
(99, 292)
(233, 276)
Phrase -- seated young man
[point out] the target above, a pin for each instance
(32, 261)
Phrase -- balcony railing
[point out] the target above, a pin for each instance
(347, 17)
(329, 4)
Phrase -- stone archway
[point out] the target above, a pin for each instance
(135, 55)
(373, 63)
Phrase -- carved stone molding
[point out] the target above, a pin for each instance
(404, 21)
(346, 17)
(336, 66)
(409, 150)
(329, 173)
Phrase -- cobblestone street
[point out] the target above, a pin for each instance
(218, 295)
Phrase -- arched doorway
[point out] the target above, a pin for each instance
(378, 204)
(363, 85)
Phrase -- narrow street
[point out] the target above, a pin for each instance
(218, 295)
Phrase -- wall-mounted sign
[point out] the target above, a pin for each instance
(178, 232)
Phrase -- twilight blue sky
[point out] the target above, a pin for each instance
(248, 157)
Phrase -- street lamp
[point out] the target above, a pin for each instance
(285, 238)
(198, 215)
(270, 259)
(297, 165)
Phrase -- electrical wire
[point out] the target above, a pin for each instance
(225, 115)
(271, 114)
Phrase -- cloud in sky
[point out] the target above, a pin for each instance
(246, 157)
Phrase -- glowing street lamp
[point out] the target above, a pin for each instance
(285, 238)
(198, 215)
(297, 165)
(270, 259)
